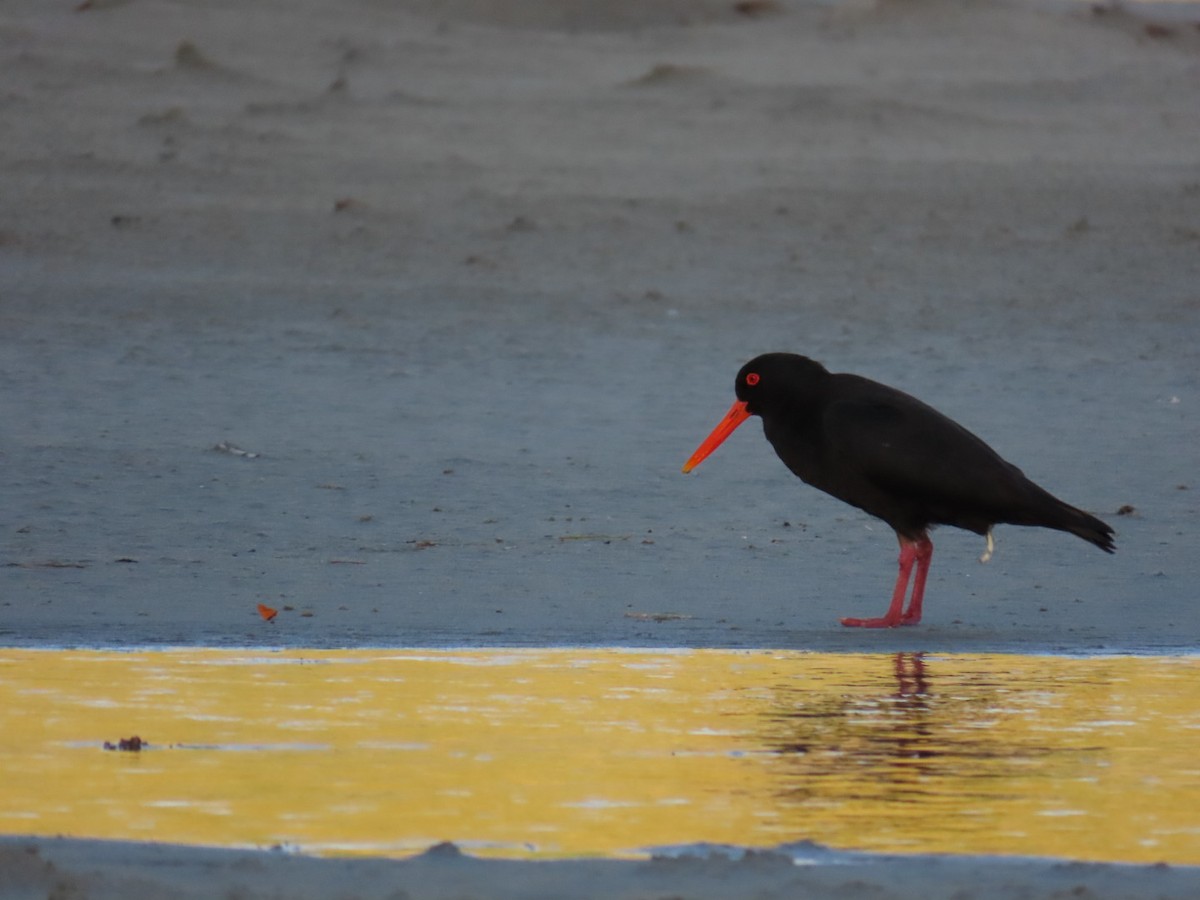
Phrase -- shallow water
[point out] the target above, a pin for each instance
(568, 752)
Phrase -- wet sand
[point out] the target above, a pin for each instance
(101, 871)
(401, 318)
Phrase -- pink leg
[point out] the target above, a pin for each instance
(924, 553)
(919, 551)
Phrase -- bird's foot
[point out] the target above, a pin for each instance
(991, 545)
(882, 622)
(911, 617)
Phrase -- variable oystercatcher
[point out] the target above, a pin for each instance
(893, 456)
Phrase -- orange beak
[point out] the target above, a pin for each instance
(738, 413)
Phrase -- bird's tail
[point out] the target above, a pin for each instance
(1086, 526)
(1043, 509)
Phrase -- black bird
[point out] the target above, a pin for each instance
(893, 456)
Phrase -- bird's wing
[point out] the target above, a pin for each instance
(908, 449)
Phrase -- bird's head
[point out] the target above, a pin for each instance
(767, 385)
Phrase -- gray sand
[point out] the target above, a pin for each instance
(115, 871)
(472, 292)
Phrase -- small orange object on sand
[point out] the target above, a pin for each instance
(267, 612)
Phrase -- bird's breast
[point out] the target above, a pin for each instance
(799, 450)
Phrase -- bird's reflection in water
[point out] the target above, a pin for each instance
(910, 675)
(898, 738)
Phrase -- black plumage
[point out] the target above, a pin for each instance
(893, 456)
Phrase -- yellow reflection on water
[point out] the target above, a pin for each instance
(537, 753)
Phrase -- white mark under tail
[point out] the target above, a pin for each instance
(991, 545)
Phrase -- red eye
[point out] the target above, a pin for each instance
(752, 379)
